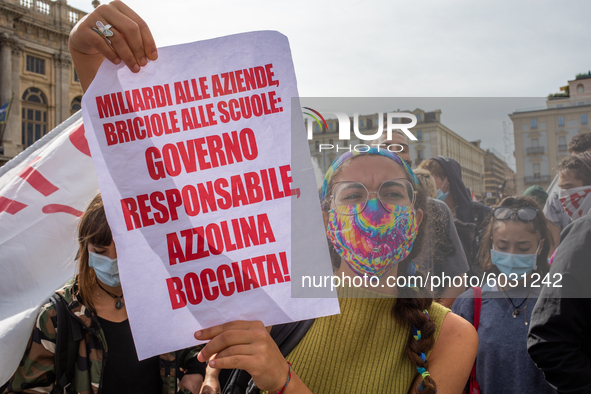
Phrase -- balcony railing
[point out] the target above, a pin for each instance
(562, 148)
(534, 150)
(51, 10)
(537, 179)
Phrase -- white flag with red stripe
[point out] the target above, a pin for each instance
(43, 192)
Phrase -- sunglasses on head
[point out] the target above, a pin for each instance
(505, 213)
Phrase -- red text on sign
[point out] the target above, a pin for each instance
(246, 107)
(136, 100)
(214, 239)
(227, 279)
(201, 153)
(223, 193)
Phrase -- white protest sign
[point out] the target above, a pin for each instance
(193, 159)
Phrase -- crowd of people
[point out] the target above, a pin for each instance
(384, 220)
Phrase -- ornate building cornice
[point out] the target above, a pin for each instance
(11, 42)
(62, 60)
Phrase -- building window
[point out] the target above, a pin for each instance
(561, 121)
(331, 126)
(420, 154)
(34, 116)
(537, 174)
(27, 3)
(330, 141)
(361, 123)
(73, 16)
(580, 88)
(533, 123)
(418, 117)
(346, 143)
(562, 144)
(535, 142)
(581, 103)
(317, 145)
(316, 127)
(75, 105)
(583, 118)
(420, 135)
(43, 7)
(35, 65)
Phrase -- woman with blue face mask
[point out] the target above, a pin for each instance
(106, 359)
(514, 251)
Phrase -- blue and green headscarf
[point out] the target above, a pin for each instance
(372, 151)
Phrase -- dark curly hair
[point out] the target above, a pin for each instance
(577, 169)
(580, 143)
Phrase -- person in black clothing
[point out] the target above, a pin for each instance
(559, 341)
(469, 216)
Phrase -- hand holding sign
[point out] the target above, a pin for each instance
(245, 345)
(193, 157)
(131, 41)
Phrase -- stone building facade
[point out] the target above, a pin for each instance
(436, 139)
(542, 134)
(433, 139)
(36, 70)
(499, 178)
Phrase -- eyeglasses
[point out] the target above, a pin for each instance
(350, 198)
(505, 213)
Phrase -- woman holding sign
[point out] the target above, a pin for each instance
(385, 339)
(102, 356)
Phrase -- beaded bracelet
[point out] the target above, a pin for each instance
(288, 378)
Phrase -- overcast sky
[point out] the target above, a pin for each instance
(453, 48)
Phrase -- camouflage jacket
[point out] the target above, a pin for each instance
(36, 373)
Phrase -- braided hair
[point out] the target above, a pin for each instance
(412, 305)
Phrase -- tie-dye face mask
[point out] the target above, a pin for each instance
(372, 241)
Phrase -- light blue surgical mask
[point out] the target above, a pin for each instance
(106, 269)
(440, 194)
(509, 263)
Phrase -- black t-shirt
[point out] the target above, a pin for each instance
(123, 372)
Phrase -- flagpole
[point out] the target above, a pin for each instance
(4, 125)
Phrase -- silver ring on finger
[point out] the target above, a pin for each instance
(103, 31)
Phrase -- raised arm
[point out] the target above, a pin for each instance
(131, 43)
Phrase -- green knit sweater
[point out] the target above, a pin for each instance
(362, 350)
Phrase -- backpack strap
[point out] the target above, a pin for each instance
(68, 337)
(286, 336)
(477, 306)
(474, 387)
